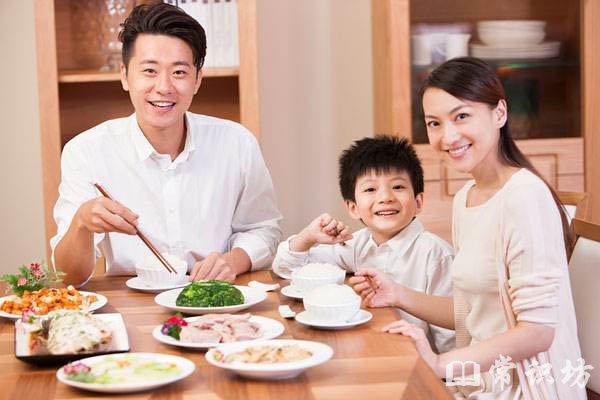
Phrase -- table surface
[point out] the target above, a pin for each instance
(366, 362)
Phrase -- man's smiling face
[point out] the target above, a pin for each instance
(161, 80)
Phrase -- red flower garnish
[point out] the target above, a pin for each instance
(33, 266)
(21, 281)
(175, 320)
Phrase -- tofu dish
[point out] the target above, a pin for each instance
(67, 332)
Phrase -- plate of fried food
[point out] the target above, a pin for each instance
(41, 302)
(269, 359)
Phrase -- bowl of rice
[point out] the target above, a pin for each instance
(332, 303)
(313, 275)
(154, 274)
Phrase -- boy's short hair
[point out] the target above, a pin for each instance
(163, 19)
(381, 154)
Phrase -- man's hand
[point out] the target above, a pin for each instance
(101, 215)
(214, 266)
(322, 230)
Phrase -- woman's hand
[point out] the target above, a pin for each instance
(376, 288)
(421, 343)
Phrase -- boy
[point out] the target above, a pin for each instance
(381, 180)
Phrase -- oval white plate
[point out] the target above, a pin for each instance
(99, 303)
(321, 354)
(292, 293)
(359, 318)
(252, 296)
(185, 365)
(137, 284)
(270, 329)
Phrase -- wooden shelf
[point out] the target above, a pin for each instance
(91, 75)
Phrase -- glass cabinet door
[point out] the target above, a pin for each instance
(533, 45)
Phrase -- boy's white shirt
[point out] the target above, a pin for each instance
(414, 257)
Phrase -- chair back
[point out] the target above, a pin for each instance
(584, 269)
(575, 203)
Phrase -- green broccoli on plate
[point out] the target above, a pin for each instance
(211, 293)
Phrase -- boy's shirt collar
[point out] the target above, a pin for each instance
(400, 243)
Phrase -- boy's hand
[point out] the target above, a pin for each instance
(322, 230)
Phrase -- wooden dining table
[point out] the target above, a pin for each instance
(366, 363)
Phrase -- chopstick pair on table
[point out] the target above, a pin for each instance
(153, 249)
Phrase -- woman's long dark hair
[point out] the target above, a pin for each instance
(472, 79)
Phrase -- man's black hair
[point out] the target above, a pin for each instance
(381, 154)
(163, 19)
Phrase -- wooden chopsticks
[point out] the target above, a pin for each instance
(163, 261)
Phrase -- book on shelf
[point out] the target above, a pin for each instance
(220, 22)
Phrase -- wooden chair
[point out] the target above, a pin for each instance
(584, 268)
(575, 203)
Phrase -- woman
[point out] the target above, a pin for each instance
(512, 296)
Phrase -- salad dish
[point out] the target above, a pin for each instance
(220, 302)
(269, 359)
(212, 329)
(125, 373)
(64, 336)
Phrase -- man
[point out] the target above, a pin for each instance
(196, 186)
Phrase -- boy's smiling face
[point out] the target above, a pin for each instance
(385, 203)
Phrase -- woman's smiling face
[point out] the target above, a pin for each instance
(465, 132)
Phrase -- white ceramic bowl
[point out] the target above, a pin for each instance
(152, 273)
(304, 282)
(500, 38)
(513, 24)
(332, 303)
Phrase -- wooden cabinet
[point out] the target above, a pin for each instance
(554, 141)
(73, 99)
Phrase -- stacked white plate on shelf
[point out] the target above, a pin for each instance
(513, 39)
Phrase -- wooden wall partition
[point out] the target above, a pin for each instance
(591, 100)
(49, 111)
(391, 71)
(249, 84)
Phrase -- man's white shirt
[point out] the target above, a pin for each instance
(216, 195)
(414, 258)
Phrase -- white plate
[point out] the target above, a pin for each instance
(137, 284)
(292, 292)
(118, 344)
(251, 297)
(321, 354)
(270, 329)
(359, 318)
(185, 365)
(99, 303)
